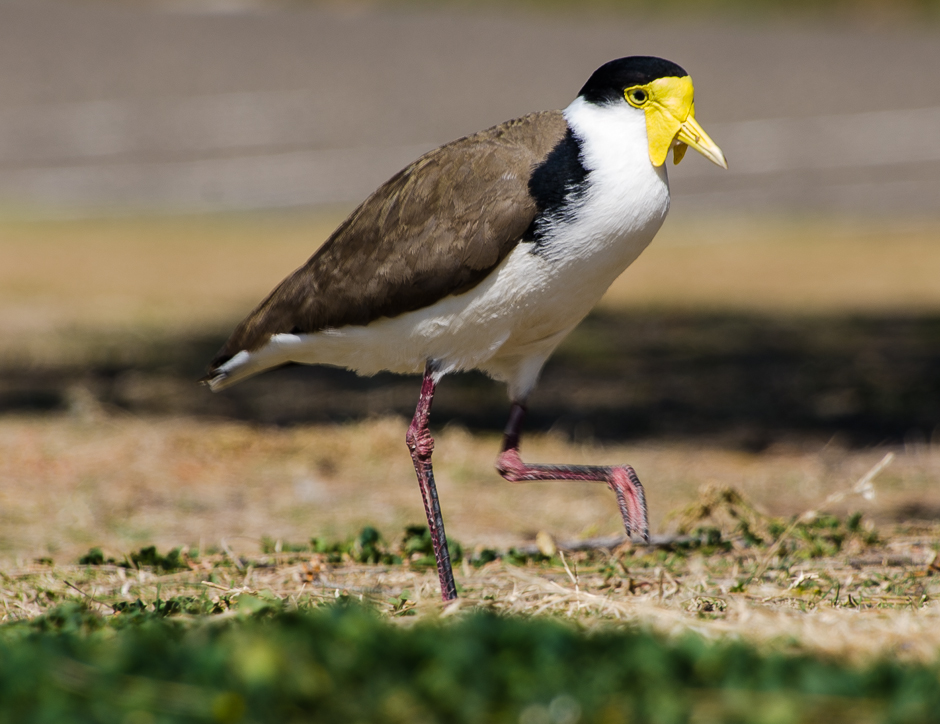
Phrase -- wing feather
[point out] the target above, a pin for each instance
(436, 228)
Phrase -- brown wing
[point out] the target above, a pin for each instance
(436, 228)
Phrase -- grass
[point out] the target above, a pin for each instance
(153, 567)
(66, 287)
(824, 619)
(778, 266)
(836, 588)
(119, 481)
(125, 514)
(66, 284)
(823, 581)
(339, 663)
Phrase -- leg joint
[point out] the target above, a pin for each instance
(419, 441)
(510, 466)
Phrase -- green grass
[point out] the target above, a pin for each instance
(321, 631)
(343, 663)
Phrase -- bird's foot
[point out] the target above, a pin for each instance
(622, 479)
(631, 498)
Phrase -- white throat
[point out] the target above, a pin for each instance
(606, 129)
(626, 198)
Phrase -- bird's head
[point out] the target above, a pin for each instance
(663, 92)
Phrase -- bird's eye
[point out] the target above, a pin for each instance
(637, 96)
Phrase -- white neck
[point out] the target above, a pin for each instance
(610, 133)
(628, 197)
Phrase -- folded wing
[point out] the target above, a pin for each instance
(435, 229)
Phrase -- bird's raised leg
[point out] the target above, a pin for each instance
(622, 479)
(421, 445)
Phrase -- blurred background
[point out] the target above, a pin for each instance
(164, 164)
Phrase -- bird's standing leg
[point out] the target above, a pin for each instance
(421, 445)
(622, 479)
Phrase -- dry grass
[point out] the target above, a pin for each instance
(97, 478)
(867, 602)
(800, 267)
(121, 482)
(60, 280)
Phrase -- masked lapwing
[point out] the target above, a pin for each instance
(483, 254)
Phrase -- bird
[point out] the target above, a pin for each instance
(484, 254)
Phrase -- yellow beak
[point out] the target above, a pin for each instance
(692, 134)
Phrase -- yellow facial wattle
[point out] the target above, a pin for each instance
(670, 120)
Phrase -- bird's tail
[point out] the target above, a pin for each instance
(224, 372)
(221, 374)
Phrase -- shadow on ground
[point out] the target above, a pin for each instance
(742, 380)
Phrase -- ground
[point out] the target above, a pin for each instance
(96, 316)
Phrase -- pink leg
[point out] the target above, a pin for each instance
(622, 479)
(421, 445)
